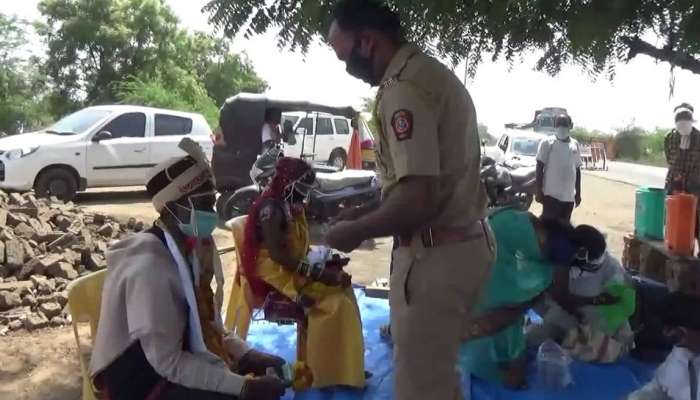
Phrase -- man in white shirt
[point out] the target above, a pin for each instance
(677, 378)
(559, 172)
(271, 135)
(160, 335)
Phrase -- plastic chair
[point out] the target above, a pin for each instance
(84, 301)
(243, 302)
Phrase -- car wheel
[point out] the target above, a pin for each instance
(338, 159)
(57, 182)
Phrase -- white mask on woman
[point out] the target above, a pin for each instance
(684, 127)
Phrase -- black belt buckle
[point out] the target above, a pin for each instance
(427, 238)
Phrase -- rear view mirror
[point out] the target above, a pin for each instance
(301, 131)
(102, 135)
(483, 142)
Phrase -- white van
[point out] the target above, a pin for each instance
(111, 145)
(319, 137)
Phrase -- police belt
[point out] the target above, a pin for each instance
(439, 236)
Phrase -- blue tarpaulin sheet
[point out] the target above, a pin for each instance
(590, 381)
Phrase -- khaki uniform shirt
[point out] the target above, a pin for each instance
(428, 127)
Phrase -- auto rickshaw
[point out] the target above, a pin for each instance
(241, 120)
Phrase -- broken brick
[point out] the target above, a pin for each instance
(14, 254)
(62, 270)
(64, 241)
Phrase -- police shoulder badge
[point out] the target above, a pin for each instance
(402, 123)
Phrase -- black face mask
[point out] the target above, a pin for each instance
(360, 66)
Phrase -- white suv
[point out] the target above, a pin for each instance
(319, 137)
(97, 146)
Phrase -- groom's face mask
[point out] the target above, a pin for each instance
(197, 219)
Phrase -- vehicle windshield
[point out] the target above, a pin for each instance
(78, 122)
(526, 146)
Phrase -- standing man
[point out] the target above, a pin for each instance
(682, 149)
(559, 172)
(270, 135)
(433, 200)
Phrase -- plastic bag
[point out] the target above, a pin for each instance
(553, 372)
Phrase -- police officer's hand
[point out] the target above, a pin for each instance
(343, 237)
(263, 388)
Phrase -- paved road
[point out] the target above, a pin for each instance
(633, 174)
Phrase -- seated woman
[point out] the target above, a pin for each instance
(590, 306)
(274, 258)
(528, 248)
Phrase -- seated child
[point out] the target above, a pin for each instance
(589, 305)
(677, 378)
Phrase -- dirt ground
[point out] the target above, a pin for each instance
(44, 365)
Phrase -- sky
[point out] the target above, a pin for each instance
(639, 94)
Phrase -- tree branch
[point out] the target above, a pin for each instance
(683, 60)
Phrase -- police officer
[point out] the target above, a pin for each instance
(432, 198)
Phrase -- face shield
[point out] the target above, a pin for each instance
(300, 190)
(584, 263)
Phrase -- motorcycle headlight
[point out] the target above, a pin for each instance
(21, 152)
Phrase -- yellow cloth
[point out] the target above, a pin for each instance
(334, 345)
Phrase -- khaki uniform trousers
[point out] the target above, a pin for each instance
(433, 292)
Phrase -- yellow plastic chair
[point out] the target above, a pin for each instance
(242, 301)
(84, 301)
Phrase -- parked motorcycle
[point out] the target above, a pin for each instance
(508, 187)
(335, 189)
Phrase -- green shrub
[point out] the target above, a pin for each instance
(583, 135)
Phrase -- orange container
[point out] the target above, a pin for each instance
(680, 223)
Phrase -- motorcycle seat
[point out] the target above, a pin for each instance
(329, 182)
(522, 174)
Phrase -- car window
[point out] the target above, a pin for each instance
(503, 143)
(292, 118)
(308, 124)
(324, 127)
(546, 121)
(171, 125)
(127, 125)
(526, 146)
(79, 121)
(341, 126)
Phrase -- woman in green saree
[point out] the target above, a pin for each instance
(528, 249)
